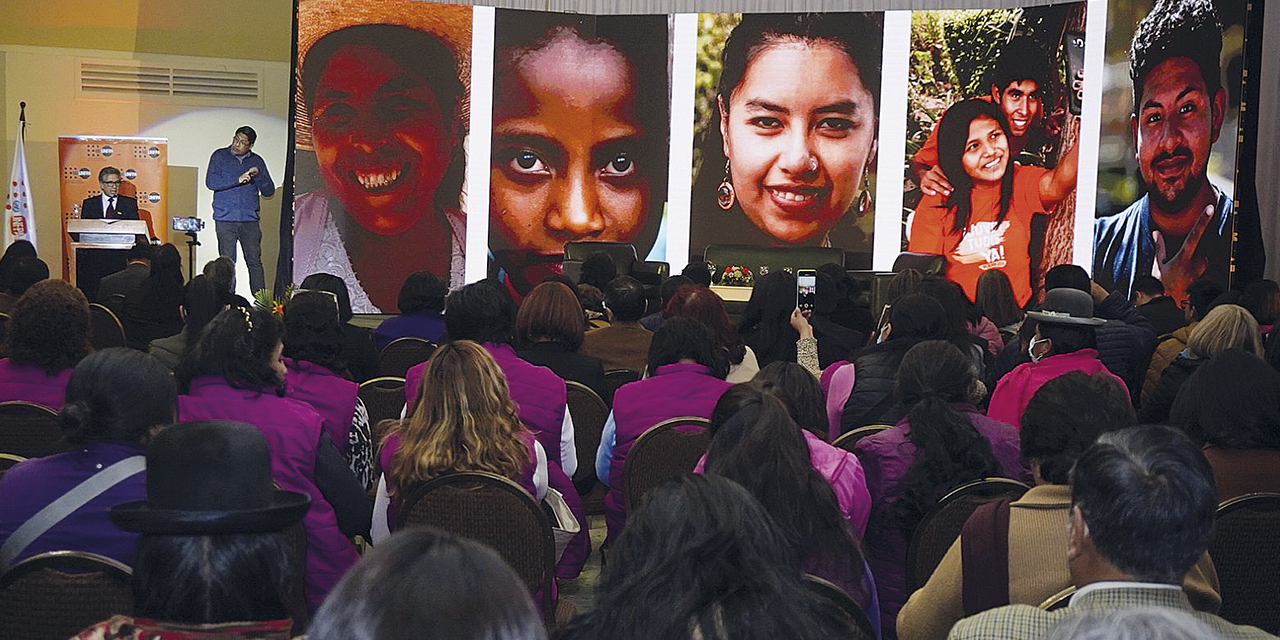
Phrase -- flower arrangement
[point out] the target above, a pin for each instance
(736, 276)
(265, 299)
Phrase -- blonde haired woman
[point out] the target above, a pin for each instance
(463, 420)
(1226, 326)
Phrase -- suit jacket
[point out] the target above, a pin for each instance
(1020, 621)
(122, 282)
(622, 345)
(126, 208)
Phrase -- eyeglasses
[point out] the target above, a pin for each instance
(113, 182)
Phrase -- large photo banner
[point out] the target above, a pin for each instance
(1006, 141)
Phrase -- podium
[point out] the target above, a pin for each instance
(102, 248)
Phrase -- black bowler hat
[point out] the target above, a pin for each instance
(210, 477)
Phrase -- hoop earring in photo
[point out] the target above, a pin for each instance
(725, 196)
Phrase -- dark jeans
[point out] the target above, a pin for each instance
(250, 236)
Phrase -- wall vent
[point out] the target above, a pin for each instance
(172, 84)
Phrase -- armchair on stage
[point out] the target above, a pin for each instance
(98, 248)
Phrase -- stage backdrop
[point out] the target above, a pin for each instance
(673, 132)
(143, 164)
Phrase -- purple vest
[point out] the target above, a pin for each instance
(31, 383)
(675, 390)
(331, 395)
(292, 430)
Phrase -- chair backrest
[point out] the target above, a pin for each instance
(401, 354)
(492, 510)
(105, 330)
(623, 254)
(114, 302)
(667, 450)
(383, 398)
(941, 526)
(589, 415)
(1247, 557)
(615, 378)
(832, 595)
(28, 429)
(55, 595)
(851, 437)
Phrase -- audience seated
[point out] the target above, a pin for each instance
(22, 272)
(666, 291)
(1064, 340)
(549, 330)
(1124, 340)
(1227, 326)
(200, 303)
(124, 281)
(766, 321)
(592, 300)
(222, 271)
(963, 324)
(484, 312)
(317, 375)
(358, 349)
(1160, 310)
(841, 320)
(1201, 295)
(421, 304)
(151, 309)
(942, 442)
(686, 378)
(212, 561)
(1231, 407)
(235, 372)
(913, 319)
(624, 342)
(598, 270)
(702, 304)
(428, 585)
(1262, 299)
(463, 420)
(16, 250)
(702, 559)
(996, 301)
(1142, 508)
(1062, 419)
(48, 335)
(816, 494)
(116, 400)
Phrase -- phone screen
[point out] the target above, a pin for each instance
(806, 288)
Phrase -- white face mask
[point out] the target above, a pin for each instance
(1031, 348)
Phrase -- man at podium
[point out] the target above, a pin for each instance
(110, 204)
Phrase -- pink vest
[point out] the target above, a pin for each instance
(331, 395)
(292, 430)
(675, 390)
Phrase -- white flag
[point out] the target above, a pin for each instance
(19, 220)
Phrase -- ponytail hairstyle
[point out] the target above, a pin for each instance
(755, 443)
(933, 377)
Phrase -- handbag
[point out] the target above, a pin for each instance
(563, 525)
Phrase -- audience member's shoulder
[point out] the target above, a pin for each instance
(1012, 622)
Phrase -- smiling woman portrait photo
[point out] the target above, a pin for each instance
(579, 137)
(787, 154)
(384, 105)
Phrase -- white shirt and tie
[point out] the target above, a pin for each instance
(109, 209)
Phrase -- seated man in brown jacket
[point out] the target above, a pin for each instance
(1060, 422)
(624, 344)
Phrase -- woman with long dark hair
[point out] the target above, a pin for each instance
(755, 443)
(942, 442)
(702, 304)
(236, 372)
(116, 400)
(701, 559)
(153, 308)
(685, 378)
(985, 222)
(318, 375)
